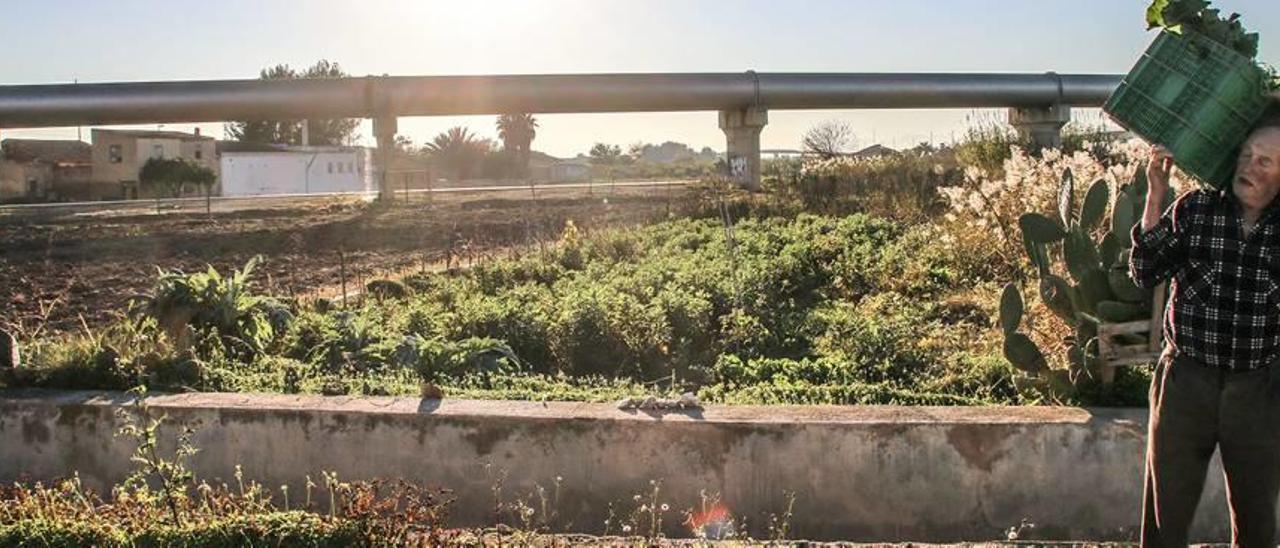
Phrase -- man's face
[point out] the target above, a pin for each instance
(1257, 179)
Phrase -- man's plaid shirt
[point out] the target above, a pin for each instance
(1224, 307)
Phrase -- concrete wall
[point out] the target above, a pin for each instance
(16, 178)
(859, 473)
(54, 182)
(12, 180)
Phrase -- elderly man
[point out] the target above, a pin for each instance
(1215, 385)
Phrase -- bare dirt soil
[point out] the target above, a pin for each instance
(61, 268)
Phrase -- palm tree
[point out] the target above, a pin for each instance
(457, 151)
(517, 132)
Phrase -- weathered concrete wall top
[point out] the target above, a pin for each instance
(866, 473)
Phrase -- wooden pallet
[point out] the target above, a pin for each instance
(1114, 354)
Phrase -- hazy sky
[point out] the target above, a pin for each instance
(125, 40)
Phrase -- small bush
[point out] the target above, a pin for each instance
(387, 289)
(189, 307)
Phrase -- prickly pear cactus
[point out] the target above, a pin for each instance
(1095, 288)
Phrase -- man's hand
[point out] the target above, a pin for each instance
(1158, 167)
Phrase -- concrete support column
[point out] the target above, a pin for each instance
(1042, 126)
(742, 137)
(384, 131)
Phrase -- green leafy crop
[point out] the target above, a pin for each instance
(1196, 15)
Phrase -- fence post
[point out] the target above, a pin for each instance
(10, 353)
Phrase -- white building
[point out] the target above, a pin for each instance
(569, 171)
(262, 170)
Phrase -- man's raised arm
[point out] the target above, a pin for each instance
(1158, 248)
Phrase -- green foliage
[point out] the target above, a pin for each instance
(1039, 229)
(1011, 308)
(1196, 16)
(830, 394)
(877, 340)
(162, 503)
(387, 289)
(324, 132)
(1095, 204)
(517, 132)
(290, 528)
(808, 308)
(150, 465)
(605, 155)
(53, 532)
(1023, 353)
(207, 304)
(170, 175)
(1101, 292)
(458, 151)
(987, 144)
(435, 359)
(668, 301)
(901, 185)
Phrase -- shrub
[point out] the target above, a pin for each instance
(988, 144)
(879, 337)
(192, 306)
(518, 315)
(387, 289)
(984, 211)
(901, 185)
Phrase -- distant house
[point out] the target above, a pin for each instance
(256, 170)
(118, 155)
(43, 170)
(569, 171)
(874, 151)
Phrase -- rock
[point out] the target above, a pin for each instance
(431, 391)
(10, 357)
(689, 400)
(651, 403)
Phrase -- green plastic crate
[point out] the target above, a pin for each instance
(1196, 97)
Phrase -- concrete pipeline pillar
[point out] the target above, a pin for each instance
(1041, 126)
(742, 138)
(384, 131)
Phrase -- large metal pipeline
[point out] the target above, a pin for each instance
(26, 106)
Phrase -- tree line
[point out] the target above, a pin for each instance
(457, 153)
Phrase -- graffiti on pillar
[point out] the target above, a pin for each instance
(738, 168)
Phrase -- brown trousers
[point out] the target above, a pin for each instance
(1195, 409)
